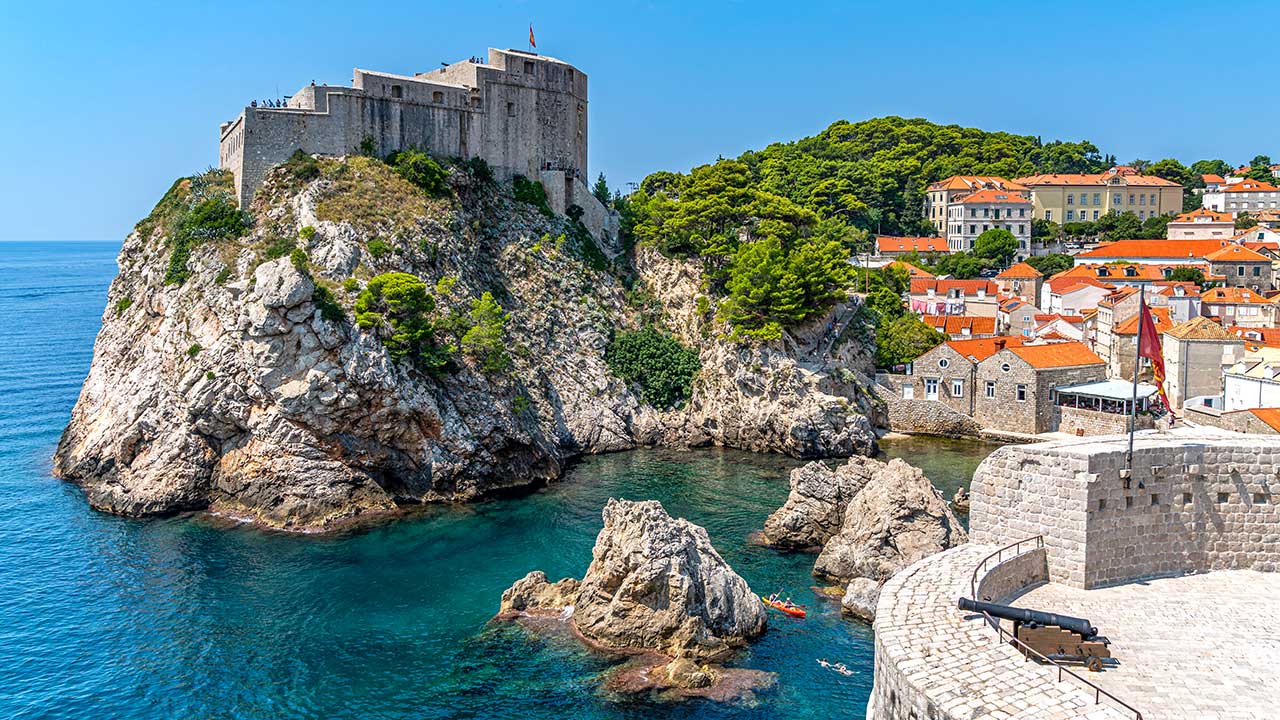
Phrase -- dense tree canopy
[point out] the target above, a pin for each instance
(998, 245)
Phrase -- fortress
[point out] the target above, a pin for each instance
(523, 113)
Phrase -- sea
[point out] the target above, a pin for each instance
(187, 617)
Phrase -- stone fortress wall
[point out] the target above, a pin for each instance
(523, 113)
(1195, 501)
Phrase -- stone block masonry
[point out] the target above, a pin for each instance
(1196, 500)
(521, 112)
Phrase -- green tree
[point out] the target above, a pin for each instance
(601, 190)
(420, 169)
(1184, 273)
(656, 363)
(1171, 170)
(904, 339)
(1260, 169)
(960, 265)
(1209, 167)
(1244, 221)
(1044, 230)
(485, 341)
(397, 308)
(1051, 264)
(996, 244)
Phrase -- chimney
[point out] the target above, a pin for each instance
(999, 344)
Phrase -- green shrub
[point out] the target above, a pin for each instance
(445, 285)
(368, 147)
(351, 284)
(429, 249)
(531, 192)
(223, 275)
(123, 304)
(657, 363)
(209, 375)
(479, 169)
(277, 247)
(194, 350)
(484, 341)
(397, 308)
(299, 259)
(306, 233)
(302, 166)
(328, 305)
(420, 169)
(214, 218)
(519, 404)
(378, 248)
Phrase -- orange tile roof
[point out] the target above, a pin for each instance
(983, 348)
(1194, 249)
(994, 196)
(1117, 271)
(920, 286)
(957, 324)
(1236, 253)
(1099, 179)
(1060, 285)
(888, 243)
(1247, 186)
(1019, 271)
(1055, 355)
(1199, 328)
(1270, 416)
(1159, 314)
(1210, 179)
(968, 182)
(1269, 337)
(1212, 215)
(912, 270)
(1233, 296)
(1170, 289)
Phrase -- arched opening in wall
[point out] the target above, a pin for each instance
(397, 91)
(437, 96)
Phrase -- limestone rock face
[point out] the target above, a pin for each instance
(656, 583)
(534, 592)
(234, 391)
(860, 598)
(814, 511)
(895, 520)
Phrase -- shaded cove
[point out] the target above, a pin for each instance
(111, 617)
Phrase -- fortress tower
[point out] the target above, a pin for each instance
(523, 113)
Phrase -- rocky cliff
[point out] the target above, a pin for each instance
(231, 373)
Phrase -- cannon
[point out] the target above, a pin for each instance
(1060, 638)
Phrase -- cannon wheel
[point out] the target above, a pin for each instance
(1094, 664)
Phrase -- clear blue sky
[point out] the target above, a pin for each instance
(107, 103)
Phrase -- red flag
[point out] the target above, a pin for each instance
(531, 42)
(1149, 348)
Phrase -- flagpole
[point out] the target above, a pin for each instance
(1137, 365)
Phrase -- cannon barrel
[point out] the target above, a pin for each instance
(1066, 622)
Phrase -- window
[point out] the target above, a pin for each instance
(397, 91)
(1142, 200)
(1071, 214)
(991, 389)
(1022, 393)
(1095, 214)
(1004, 367)
(1022, 229)
(1117, 199)
(973, 229)
(973, 212)
(569, 75)
(943, 363)
(1239, 273)
(1257, 272)
(1097, 198)
(986, 212)
(957, 388)
(528, 67)
(1048, 214)
(437, 96)
(511, 109)
(1131, 199)
(1071, 199)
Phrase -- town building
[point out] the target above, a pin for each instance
(1131, 274)
(946, 373)
(1243, 195)
(892, 247)
(1240, 307)
(940, 195)
(1016, 317)
(1121, 345)
(1202, 224)
(1159, 252)
(1064, 198)
(1051, 326)
(1182, 299)
(960, 327)
(1242, 267)
(1253, 382)
(1016, 384)
(989, 209)
(1072, 295)
(1020, 280)
(1258, 235)
(1196, 353)
(521, 112)
(932, 296)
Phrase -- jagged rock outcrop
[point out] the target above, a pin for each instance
(895, 520)
(534, 593)
(238, 389)
(814, 511)
(655, 582)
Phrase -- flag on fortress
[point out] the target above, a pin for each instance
(531, 42)
(1149, 347)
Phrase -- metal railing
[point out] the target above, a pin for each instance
(1027, 651)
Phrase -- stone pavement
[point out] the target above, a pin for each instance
(1196, 647)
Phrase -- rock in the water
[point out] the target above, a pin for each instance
(895, 520)
(655, 582)
(685, 673)
(814, 511)
(534, 592)
(860, 598)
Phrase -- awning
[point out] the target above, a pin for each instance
(1118, 390)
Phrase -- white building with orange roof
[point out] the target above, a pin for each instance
(941, 194)
(1201, 224)
(1238, 306)
(1064, 198)
(1196, 352)
(1257, 234)
(1016, 316)
(1242, 267)
(989, 209)
(1071, 295)
(1071, 327)
(976, 298)
(1020, 280)
(891, 246)
(960, 327)
(1244, 195)
(1182, 299)
(1159, 252)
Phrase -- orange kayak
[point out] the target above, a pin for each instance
(792, 610)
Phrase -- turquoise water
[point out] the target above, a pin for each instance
(109, 617)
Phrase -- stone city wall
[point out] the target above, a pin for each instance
(1196, 500)
(1019, 572)
(1081, 421)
